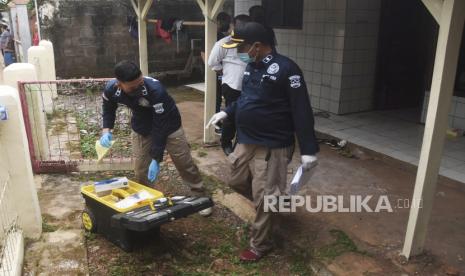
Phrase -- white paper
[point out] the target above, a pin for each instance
(110, 184)
(133, 199)
(295, 183)
(300, 178)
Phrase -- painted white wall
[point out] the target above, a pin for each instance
(24, 31)
(16, 162)
(27, 72)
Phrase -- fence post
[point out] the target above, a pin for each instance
(50, 71)
(26, 72)
(37, 56)
(15, 153)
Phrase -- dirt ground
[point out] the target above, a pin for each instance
(305, 243)
(380, 235)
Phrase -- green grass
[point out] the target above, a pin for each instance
(87, 140)
(46, 227)
(202, 153)
(121, 133)
(341, 245)
(300, 261)
(212, 183)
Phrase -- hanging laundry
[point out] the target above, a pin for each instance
(168, 24)
(177, 25)
(162, 32)
(133, 27)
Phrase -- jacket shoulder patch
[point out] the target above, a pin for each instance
(159, 108)
(295, 81)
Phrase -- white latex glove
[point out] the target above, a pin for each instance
(215, 119)
(309, 161)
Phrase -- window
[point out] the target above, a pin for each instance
(284, 14)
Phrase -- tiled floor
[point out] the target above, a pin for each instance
(395, 134)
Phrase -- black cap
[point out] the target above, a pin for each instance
(249, 33)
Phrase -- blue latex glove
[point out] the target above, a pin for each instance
(154, 169)
(105, 140)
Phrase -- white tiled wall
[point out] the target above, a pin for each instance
(242, 6)
(336, 49)
(318, 50)
(456, 112)
(360, 51)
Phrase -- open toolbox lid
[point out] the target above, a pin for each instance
(116, 195)
(145, 218)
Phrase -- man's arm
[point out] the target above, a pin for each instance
(109, 110)
(216, 57)
(302, 113)
(166, 119)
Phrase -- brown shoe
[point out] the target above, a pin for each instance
(250, 255)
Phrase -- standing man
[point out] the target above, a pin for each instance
(223, 21)
(226, 62)
(273, 108)
(7, 44)
(156, 125)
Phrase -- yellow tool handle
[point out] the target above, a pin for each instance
(120, 193)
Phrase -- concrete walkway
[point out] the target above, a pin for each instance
(61, 250)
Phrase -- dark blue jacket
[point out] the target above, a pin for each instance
(153, 113)
(274, 106)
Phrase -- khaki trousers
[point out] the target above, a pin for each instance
(179, 150)
(257, 171)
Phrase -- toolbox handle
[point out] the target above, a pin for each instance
(120, 193)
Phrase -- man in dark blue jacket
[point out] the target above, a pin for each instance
(273, 108)
(156, 125)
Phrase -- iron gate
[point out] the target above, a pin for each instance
(63, 120)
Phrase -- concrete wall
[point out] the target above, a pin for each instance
(16, 164)
(456, 113)
(91, 36)
(360, 51)
(336, 49)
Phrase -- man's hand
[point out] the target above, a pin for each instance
(309, 161)
(220, 116)
(154, 169)
(105, 140)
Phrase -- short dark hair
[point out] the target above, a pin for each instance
(126, 71)
(241, 19)
(224, 20)
(257, 14)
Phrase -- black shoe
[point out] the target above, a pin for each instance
(228, 150)
(218, 131)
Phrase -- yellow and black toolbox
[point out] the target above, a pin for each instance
(129, 224)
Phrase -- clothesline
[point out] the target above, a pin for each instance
(186, 23)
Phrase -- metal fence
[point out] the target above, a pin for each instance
(63, 120)
(10, 234)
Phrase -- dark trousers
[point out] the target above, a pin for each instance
(229, 127)
(218, 93)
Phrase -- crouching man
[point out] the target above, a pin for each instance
(156, 125)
